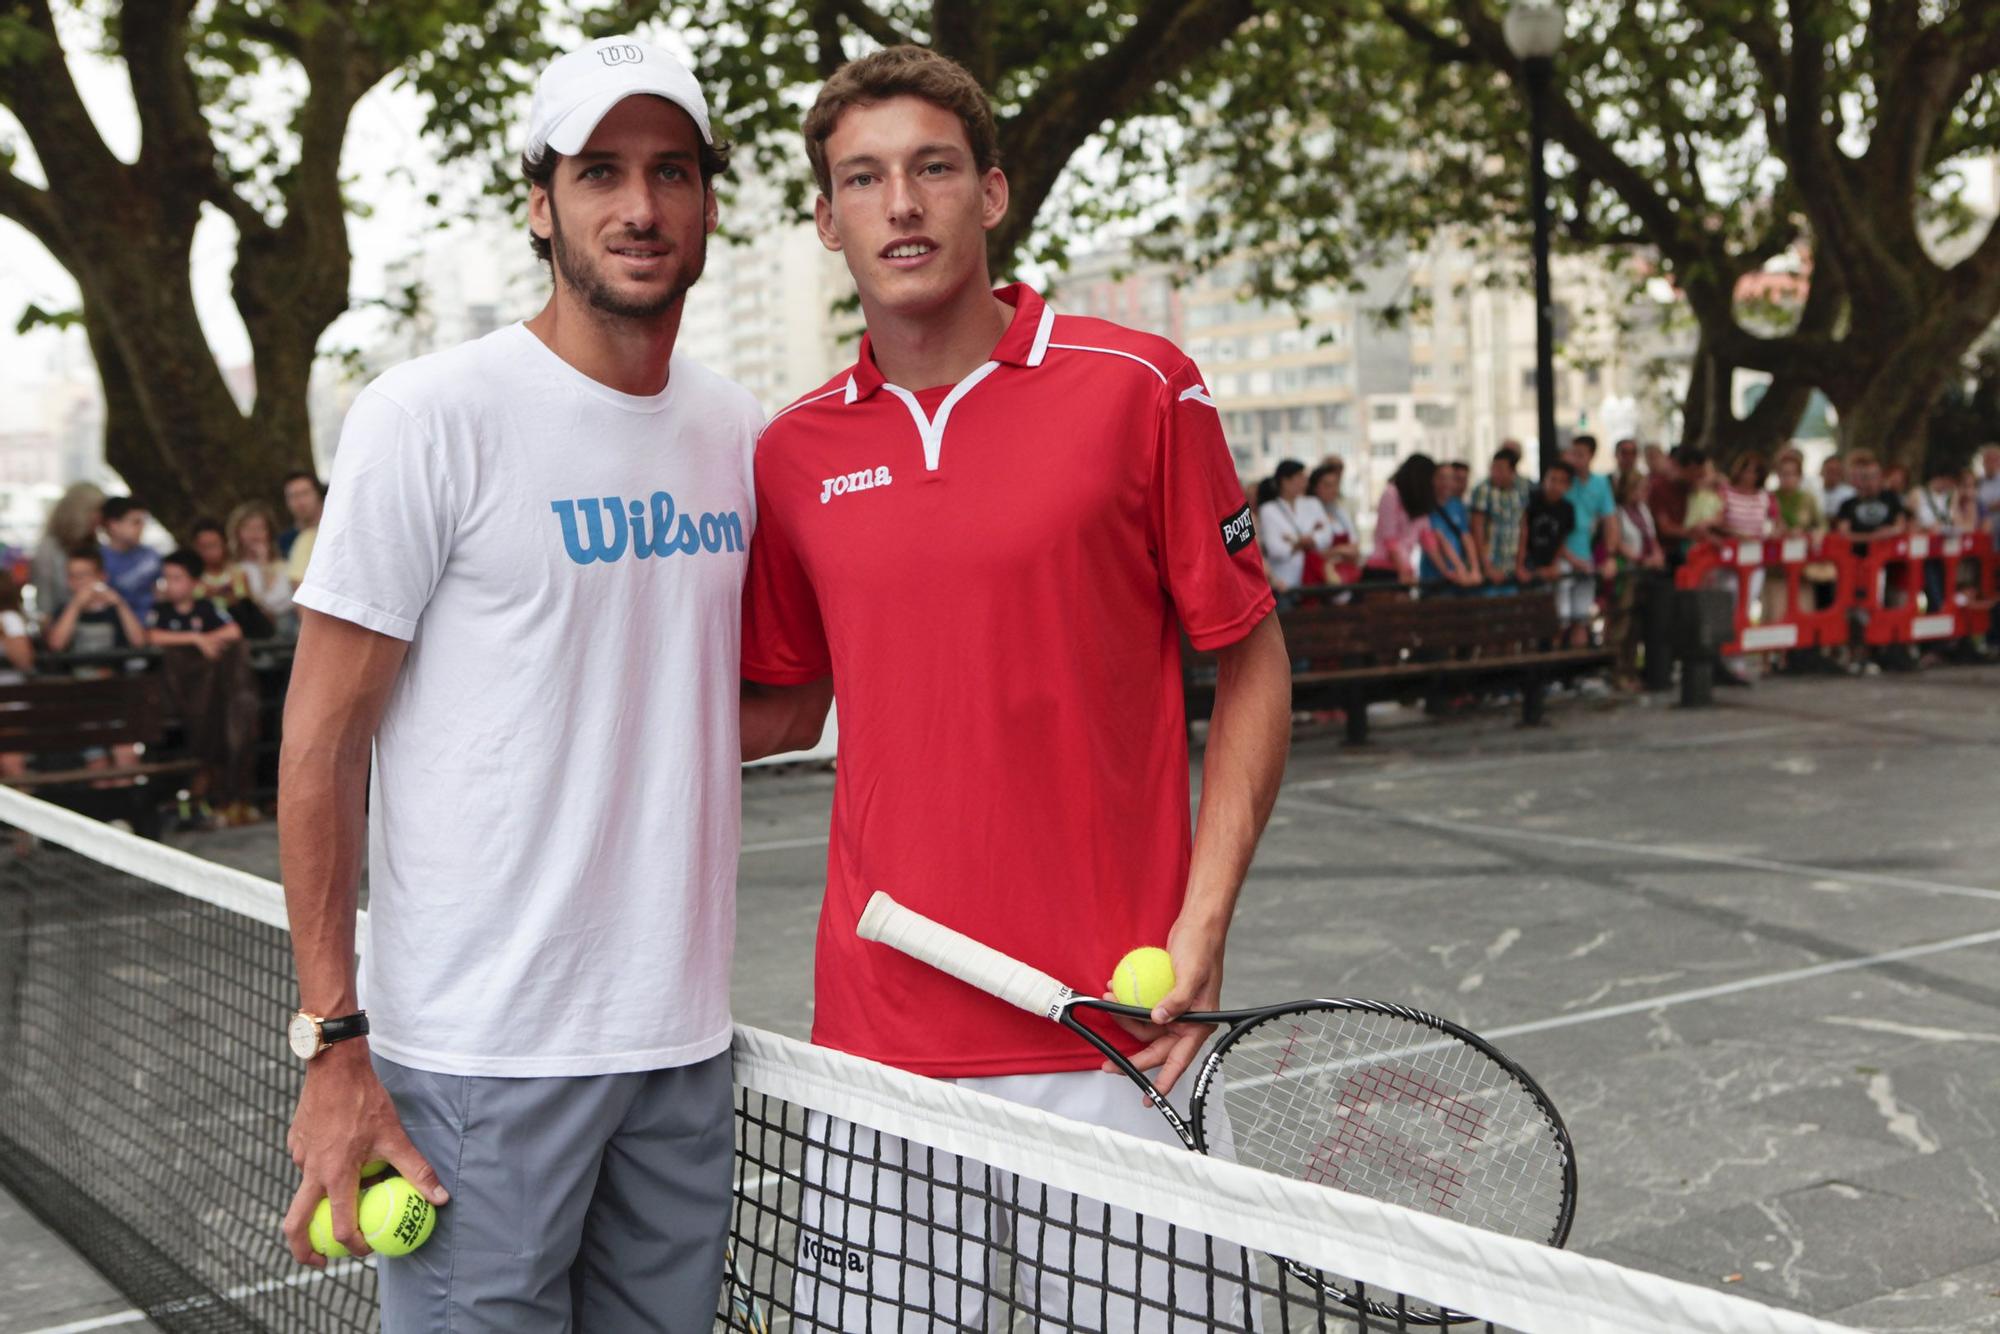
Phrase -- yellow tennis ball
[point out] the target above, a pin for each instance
(393, 1216)
(1143, 977)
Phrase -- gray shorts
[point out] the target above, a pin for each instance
(1576, 598)
(598, 1204)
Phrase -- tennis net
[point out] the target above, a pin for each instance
(145, 1095)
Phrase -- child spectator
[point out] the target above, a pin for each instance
(1545, 530)
(1590, 496)
(95, 618)
(1498, 506)
(1400, 530)
(1872, 511)
(72, 523)
(130, 566)
(222, 579)
(208, 675)
(253, 542)
(1451, 558)
(186, 616)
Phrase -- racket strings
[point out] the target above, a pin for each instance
(1390, 1108)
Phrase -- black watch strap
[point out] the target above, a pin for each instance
(346, 1026)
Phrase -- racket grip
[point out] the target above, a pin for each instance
(890, 923)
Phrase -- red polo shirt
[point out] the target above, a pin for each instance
(997, 573)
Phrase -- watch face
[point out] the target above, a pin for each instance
(303, 1034)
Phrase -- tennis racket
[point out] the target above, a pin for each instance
(1375, 1099)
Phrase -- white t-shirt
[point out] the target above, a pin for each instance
(556, 806)
(1277, 524)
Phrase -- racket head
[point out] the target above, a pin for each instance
(1394, 1104)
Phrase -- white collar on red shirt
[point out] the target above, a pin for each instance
(1025, 343)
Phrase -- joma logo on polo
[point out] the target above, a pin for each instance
(852, 481)
(610, 532)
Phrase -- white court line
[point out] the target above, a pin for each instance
(98, 1322)
(302, 1279)
(1744, 984)
(1662, 851)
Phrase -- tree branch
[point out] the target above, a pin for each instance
(35, 85)
(1167, 38)
(35, 211)
(869, 23)
(153, 41)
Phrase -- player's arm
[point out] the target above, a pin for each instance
(341, 678)
(1249, 735)
(778, 719)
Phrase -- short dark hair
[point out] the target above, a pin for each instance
(901, 71)
(1331, 468)
(1587, 440)
(1691, 456)
(186, 560)
(117, 507)
(88, 551)
(1286, 469)
(302, 475)
(1459, 465)
(539, 168)
(207, 526)
(1558, 466)
(1510, 452)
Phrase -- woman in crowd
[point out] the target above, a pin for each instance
(1641, 560)
(253, 540)
(1287, 524)
(1402, 529)
(1339, 552)
(72, 524)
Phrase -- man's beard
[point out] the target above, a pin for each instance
(589, 282)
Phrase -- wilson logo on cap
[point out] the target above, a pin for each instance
(620, 55)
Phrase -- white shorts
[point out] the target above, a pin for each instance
(1576, 598)
(930, 1248)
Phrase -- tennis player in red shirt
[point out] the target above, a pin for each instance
(991, 532)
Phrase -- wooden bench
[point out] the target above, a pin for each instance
(56, 717)
(1389, 645)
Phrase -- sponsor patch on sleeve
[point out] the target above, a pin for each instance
(1239, 530)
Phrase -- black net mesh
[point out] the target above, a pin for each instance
(145, 1094)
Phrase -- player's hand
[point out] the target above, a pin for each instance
(345, 1119)
(210, 649)
(1171, 1047)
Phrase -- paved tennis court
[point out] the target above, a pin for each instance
(1750, 951)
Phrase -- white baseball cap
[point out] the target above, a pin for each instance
(576, 91)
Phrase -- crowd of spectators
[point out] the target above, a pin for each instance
(97, 588)
(1601, 540)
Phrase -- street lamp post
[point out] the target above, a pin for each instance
(1534, 30)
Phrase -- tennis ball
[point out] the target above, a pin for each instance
(394, 1219)
(1143, 977)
